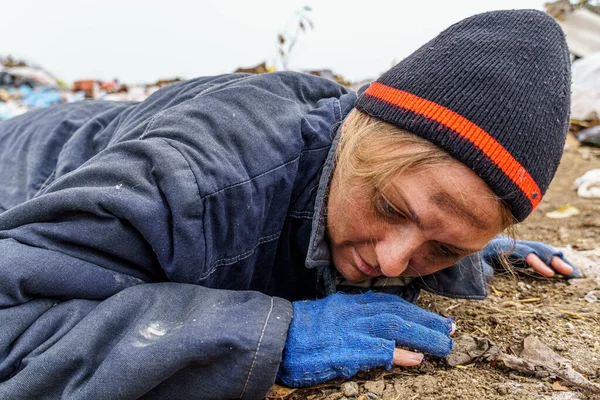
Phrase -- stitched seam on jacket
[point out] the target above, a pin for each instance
(151, 122)
(160, 113)
(257, 348)
(197, 188)
(253, 177)
(266, 172)
(301, 214)
(339, 108)
(228, 261)
(188, 164)
(45, 183)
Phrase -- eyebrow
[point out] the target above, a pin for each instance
(449, 203)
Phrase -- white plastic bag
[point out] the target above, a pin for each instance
(588, 185)
(585, 98)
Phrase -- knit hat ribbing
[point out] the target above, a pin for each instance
(493, 91)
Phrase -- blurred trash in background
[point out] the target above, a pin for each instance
(589, 136)
(581, 24)
(580, 20)
(259, 69)
(24, 87)
(89, 87)
(588, 185)
(585, 98)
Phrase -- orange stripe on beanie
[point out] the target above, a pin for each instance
(465, 128)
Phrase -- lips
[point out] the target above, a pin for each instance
(364, 267)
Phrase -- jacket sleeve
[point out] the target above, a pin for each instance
(84, 304)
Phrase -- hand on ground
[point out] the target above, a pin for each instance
(405, 358)
(556, 265)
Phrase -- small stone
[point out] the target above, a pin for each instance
(560, 346)
(335, 396)
(565, 396)
(349, 389)
(375, 387)
(467, 348)
(591, 297)
(372, 396)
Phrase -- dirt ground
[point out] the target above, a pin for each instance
(518, 306)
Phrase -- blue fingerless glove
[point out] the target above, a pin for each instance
(339, 335)
(518, 250)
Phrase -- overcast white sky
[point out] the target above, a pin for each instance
(141, 41)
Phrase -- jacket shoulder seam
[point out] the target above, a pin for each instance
(168, 109)
(223, 262)
(250, 179)
(285, 164)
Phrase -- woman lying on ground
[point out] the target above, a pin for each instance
(198, 244)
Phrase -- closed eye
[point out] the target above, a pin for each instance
(446, 252)
(387, 210)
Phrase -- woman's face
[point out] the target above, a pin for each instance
(422, 221)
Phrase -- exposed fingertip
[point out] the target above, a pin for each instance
(549, 274)
(416, 357)
(567, 269)
(453, 328)
(407, 358)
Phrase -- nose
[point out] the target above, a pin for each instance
(395, 251)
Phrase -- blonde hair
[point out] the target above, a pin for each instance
(368, 154)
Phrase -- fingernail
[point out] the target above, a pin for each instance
(416, 357)
(453, 328)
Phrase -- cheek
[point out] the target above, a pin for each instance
(354, 221)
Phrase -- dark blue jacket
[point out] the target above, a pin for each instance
(152, 249)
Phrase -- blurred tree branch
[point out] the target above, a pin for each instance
(300, 22)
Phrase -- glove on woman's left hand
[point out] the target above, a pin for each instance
(341, 334)
(541, 257)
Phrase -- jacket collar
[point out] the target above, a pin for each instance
(319, 254)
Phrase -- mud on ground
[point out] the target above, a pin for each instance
(558, 314)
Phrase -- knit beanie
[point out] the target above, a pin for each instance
(493, 91)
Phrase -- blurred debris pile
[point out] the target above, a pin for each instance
(585, 99)
(25, 87)
(259, 69)
(580, 20)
